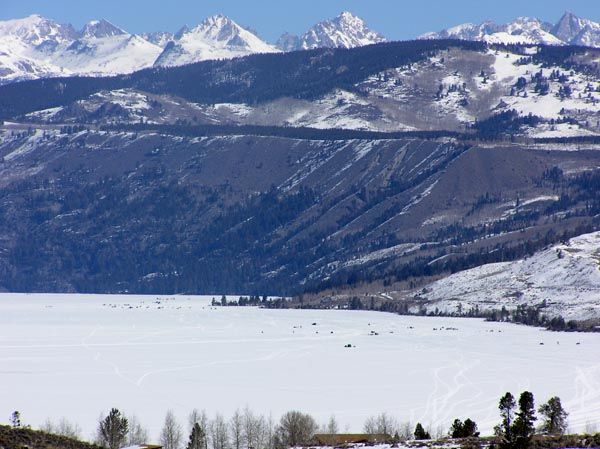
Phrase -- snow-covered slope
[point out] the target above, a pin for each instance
(36, 47)
(37, 31)
(345, 31)
(218, 37)
(160, 38)
(566, 277)
(569, 30)
(106, 49)
(103, 48)
(24, 45)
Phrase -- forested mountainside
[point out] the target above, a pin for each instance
(532, 91)
(452, 154)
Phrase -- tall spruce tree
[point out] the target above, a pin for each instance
(554, 417)
(197, 438)
(420, 433)
(524, 426)
(504, 429)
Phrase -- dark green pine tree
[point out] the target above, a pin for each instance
(524, 426)
(420, 433)
(555, 417)
(505, 428)
(456, 431)
(470, 428)
(113, 429)
(197, 438)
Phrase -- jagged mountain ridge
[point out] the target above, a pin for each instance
(344, 31)
(569, 30)
(218, 37)
(36, 47)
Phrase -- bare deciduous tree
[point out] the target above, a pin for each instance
(63, 428)
(236, 428)
(382, 424)
(331, 427)
(219, 433)
(406, 430)
(171, 434)
(296, 429)
(254, 429)
(137, 434)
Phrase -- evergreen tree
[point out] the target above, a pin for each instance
(456, 431)
(420, 433)
(15, 419)
(467, 429)
(523, 427)
(504, 429)
(113, 429)
(470, 429)
(555, 417)
(197, 438)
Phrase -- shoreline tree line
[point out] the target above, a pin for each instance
(246, 429)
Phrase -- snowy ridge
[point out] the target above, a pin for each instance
(570, 30)
(105, 52)
(566, 277)
(344, 31)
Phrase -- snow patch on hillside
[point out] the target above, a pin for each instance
(565, 277)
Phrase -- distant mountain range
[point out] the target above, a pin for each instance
(570, 30)
(37, 47)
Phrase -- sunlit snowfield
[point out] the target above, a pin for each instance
(76, 356)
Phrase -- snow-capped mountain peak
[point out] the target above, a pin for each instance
(344, 31)
(36, 30)
(222, 29)
(100, 29)
(528, 30)
(217, 37)
(570, 30)
(578, 31)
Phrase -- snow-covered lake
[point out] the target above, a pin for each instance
(76, 356)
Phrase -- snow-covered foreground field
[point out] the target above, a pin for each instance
(76, 356)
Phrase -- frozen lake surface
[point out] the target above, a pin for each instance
(77, 356)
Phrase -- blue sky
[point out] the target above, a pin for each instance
(396, 19)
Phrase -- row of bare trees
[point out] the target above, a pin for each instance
(245, 429)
